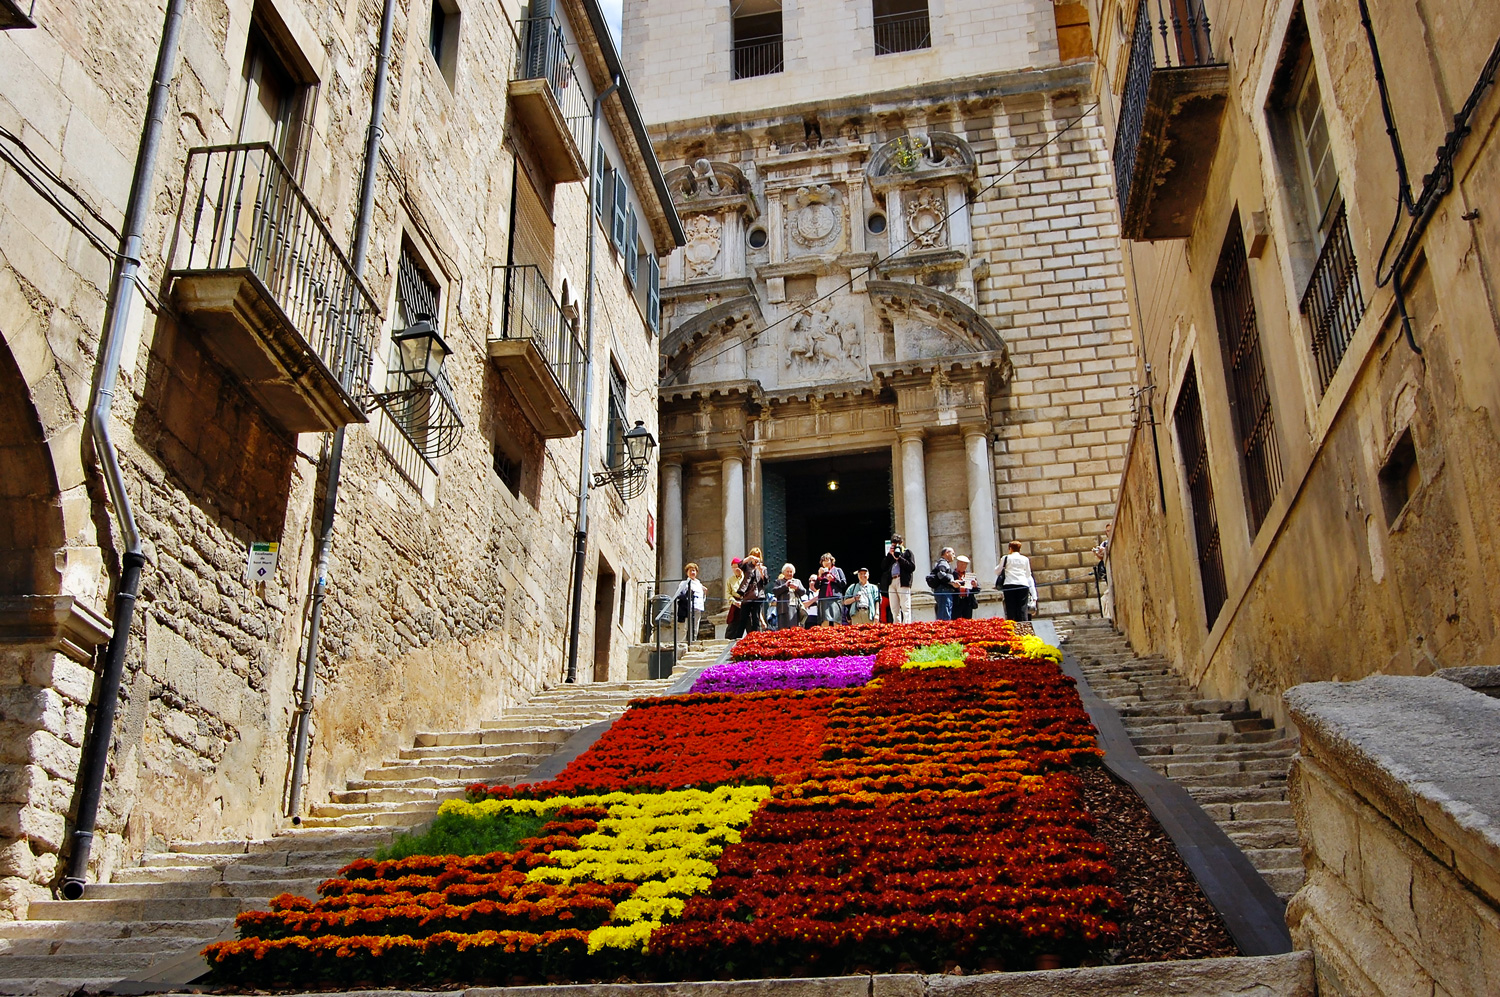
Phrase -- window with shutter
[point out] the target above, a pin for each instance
(617, 229)
(535, 235)
(600, 180)
(653, 295)
(632, 248)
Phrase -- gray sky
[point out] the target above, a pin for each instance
(612, 13)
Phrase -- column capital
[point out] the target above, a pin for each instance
(975, 429)
(908, 433)
(736, 454)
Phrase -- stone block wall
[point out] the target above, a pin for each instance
(448, 593)
(1400, 829)
(1339, 580)
(679, 52)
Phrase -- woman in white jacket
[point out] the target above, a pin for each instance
(1016, 582)
(694, 596)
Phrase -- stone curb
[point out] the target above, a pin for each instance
(1287, 975)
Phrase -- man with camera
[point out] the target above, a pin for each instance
(896, 572)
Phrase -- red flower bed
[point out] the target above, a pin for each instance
(704, 740)
(870, 638)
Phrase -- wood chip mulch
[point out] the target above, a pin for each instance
(1169, 917)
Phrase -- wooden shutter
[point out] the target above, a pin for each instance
(535, 235)
(617, 229)
(632, 250)
(600, 180)
(653, 294)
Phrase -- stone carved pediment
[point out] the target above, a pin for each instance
(920, 156)
(705, 185)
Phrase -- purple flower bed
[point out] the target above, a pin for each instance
(793, 673)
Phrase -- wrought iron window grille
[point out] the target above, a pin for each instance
(1188, 417)
(1334, 302)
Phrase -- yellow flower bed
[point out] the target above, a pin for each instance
(666, 842)
(1033, 646)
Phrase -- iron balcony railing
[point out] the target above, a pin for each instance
(544, 56)
(904, 32)
(529, 311)
(757, 57)
(1182, 38)
(245, 212)
(1333, 302)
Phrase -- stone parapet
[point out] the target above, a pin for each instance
(1398, 813)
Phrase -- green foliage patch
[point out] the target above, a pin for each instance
(460, 834)
(936, 652)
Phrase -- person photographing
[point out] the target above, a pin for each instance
(896, 572)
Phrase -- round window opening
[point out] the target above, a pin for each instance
(876, 223)
(757, 238)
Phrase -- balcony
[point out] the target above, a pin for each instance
(538, 353)
(757, 57)
(548, 101)
(902, 32)
(1174, 98)
(276, 301)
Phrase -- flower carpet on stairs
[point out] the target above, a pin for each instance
(844, 799)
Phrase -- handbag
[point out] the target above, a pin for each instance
(932, 579)
(684, 605)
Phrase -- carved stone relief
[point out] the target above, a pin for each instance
(821, 343)
(704, 240)
(926, 219)
(815, 221)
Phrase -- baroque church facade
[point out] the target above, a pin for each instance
(901, 305)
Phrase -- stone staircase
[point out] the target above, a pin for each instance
(152, 920)
(1232, 760)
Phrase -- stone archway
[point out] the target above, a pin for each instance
(46, 639)
(31, 525)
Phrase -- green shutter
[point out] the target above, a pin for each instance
(617, 230)
(632, 251)
(653, 294)
(600, 180)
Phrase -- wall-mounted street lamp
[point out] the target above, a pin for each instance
(417, 397)
(629, 475)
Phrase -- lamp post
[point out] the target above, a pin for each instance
(422, 352)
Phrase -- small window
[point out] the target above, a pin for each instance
(757, 238)
(442, 38)
(756, 28)
(1400, 477)
(876, 223)
(901, 26)
(509, 469)
(614, 455)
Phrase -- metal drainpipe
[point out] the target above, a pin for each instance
(107, 687)
(581, 536)
(358, 257)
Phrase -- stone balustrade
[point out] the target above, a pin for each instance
(1398, 812)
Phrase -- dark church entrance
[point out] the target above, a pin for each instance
(839, 505)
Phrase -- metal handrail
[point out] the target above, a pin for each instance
(544, 56)
(530, 311)
(1182, 43)
(248, 213)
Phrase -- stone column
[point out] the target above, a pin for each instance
(734, 510)
(914, 502)
(981, 477)
(671, 520)
(755, 501)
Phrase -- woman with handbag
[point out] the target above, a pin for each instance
(788, 590)
(690, 600)
(966, 601)
(1017, 583)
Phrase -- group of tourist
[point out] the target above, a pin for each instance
(758, 601)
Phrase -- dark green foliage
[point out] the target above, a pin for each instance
(456, 834)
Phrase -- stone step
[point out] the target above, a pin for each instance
(104, 965)
(419, 807)
(202, 889)
(1285, 749)
(1284, 882)
(1174, 769)
(1269, 859)
(1231, 814)
(1238, 780)
(1237, 794)
(193, 909)
(1195, 707)
(236, 872)
(446, 773)
(486, 748)
(1279, 833)
(168, 932)
(400, 793)
(396, 821)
